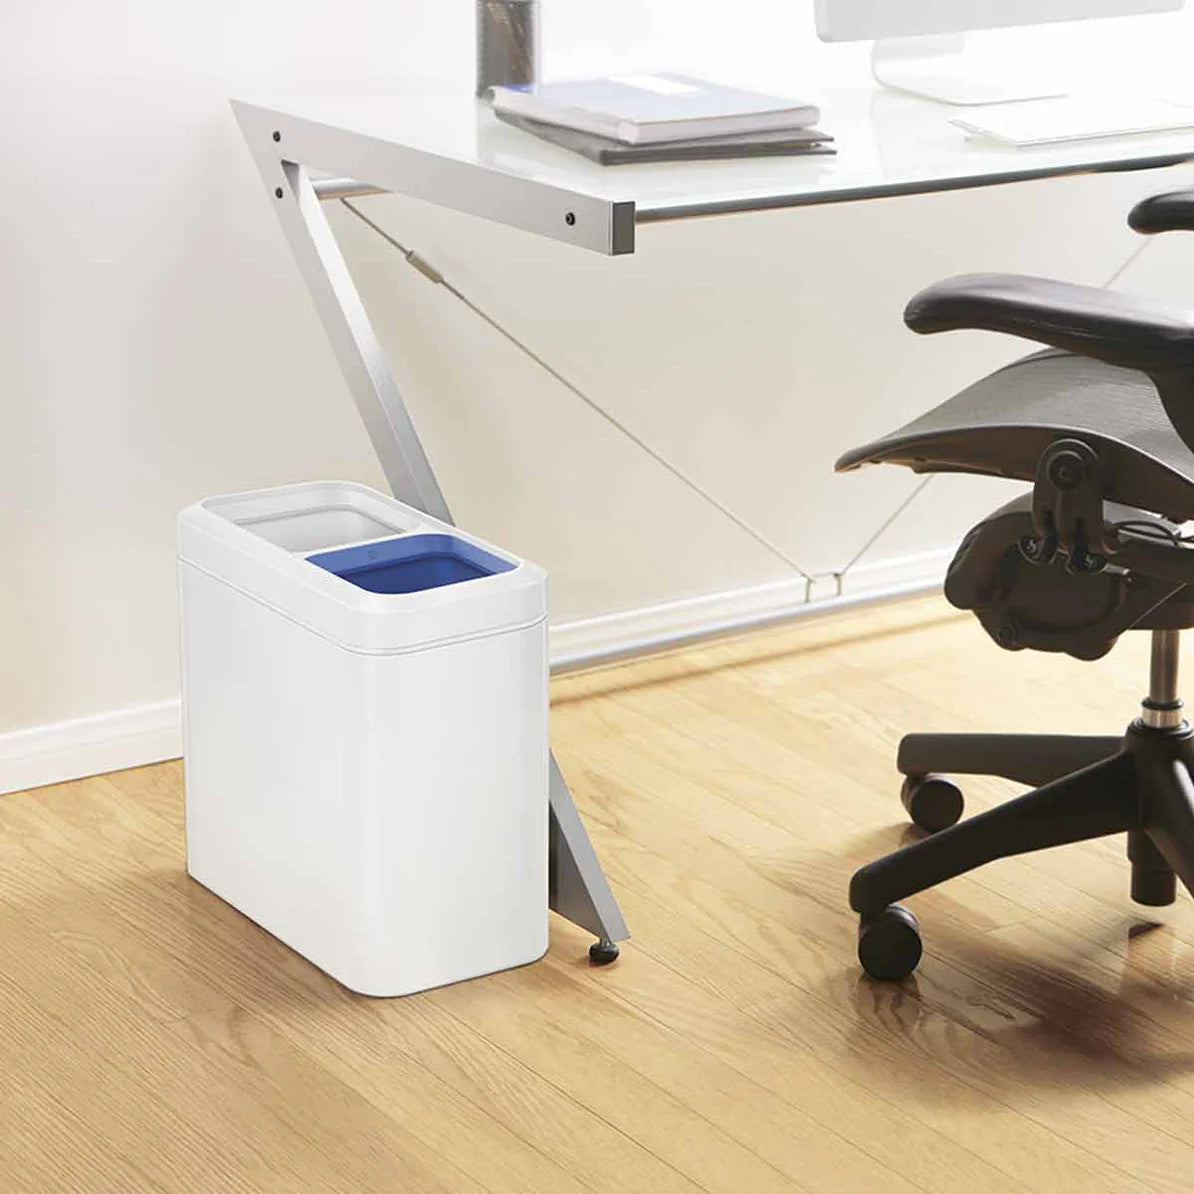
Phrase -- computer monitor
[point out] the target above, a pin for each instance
(918, 43)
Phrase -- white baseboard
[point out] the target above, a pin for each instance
(69, 750)
(657, 627)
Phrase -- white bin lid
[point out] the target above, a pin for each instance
(360, 568)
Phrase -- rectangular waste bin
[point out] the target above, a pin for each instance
(365, 715)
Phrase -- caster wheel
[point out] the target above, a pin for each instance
(933, 802)
(602, 953)
(889, 943)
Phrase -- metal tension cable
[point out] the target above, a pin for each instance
(424, 267)
(429, 272)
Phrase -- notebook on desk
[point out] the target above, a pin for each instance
(1073, 118)
(608, 152)
(643, 109)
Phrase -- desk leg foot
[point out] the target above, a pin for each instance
(603, 952)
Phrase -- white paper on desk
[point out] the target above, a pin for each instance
(1073, 118)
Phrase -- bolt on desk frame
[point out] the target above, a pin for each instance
(438, 148)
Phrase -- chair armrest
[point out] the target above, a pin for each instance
(1170, 212)
(1119, 329)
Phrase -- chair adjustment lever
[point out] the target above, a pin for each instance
(1142, 554)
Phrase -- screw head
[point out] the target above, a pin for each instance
(278, 192)
(277, 135)
(570, 218)
(1067, 470)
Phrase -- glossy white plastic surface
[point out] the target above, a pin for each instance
(382, 811)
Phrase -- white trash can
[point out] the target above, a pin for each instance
(365, 711)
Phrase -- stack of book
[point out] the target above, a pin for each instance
(660, 118)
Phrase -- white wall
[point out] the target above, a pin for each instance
(155, 344)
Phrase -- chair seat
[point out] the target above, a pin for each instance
(1000, 426)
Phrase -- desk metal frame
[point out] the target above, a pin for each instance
(283, 148)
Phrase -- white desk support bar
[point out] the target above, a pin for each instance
(283, 148)
(571, 216)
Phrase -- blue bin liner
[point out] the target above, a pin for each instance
(411, 564)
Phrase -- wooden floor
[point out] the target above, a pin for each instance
(153, 1039)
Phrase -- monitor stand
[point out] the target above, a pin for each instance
(939, 68)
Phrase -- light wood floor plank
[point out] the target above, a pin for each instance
(586, 1022)
(152, 1039)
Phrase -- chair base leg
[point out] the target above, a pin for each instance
(1168, 811)
(1153, 882)
(1026, 758)
(1141, 784)
(1094, 802)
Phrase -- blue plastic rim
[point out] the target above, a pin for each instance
(411, 564)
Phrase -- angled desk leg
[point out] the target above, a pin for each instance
(578, 887)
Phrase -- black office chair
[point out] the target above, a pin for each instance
(1102, 424)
